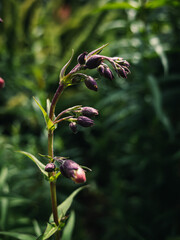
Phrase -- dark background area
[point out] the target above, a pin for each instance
(133, 149)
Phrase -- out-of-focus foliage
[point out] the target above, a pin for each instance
(134, 147)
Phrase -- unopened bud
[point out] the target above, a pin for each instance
(50, 167)
(94, 61)
(108, 74)
(2, 83)
(72, 170)
(121, 72)
(89, 111)
(101, 69)
(73, 127)
(81, 58)
(91, 83)
(85, 121)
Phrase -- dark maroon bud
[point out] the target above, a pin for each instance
(72, 170)
(121, 72)
(94, 61)
(50, 167)
(108, 74)
(81, 58)
(73, 127)
(101, 69)
(89, 112)
(125, 63)
(91, 83)
(85, 121)
(2, 83)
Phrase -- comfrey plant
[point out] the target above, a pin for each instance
(76, 116)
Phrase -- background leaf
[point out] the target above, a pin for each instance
(68, 230)
(19, 236)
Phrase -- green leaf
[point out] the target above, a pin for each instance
(63, 70)
(159, 49)
(49, 123)
(122, 5)
(63, 207)
(37, 228)
(96, 51)
(158, 104)
(20, 236)
(68, 230)
(50, 230)
(40, 165)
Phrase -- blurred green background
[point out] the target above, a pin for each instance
(134, 147)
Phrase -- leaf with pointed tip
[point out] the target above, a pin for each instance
(64, 206)
(63, 70)
(50, 230)
(49, 123)
(86, 168)
(20, 236)
(40, 165)
(96, 51)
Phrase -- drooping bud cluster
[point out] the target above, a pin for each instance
(94, 60)
(78, 116)
(2, 83)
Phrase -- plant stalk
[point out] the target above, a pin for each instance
(51, 153)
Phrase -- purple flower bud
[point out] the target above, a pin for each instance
(81, 58)
(85, 121)
(121, 72)
(73, 127)
(125, 63)
(50, 167)
(94, 61)
(72, 170)
(89, 111)
(108, 74)
(2, 83)
(91, 83)
(1, 20)
(101, 69)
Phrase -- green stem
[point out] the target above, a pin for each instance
(51, 153)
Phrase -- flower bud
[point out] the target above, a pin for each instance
(101, 69)
(72, 170)
(125, 63)
(50, 167)
(94, 61)
(108, 74)
(89, 111)
(2, 83)
(85, 121)
(91, 83)
(121, 72)
(73, 127)
(1, 20)
(81, 58)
